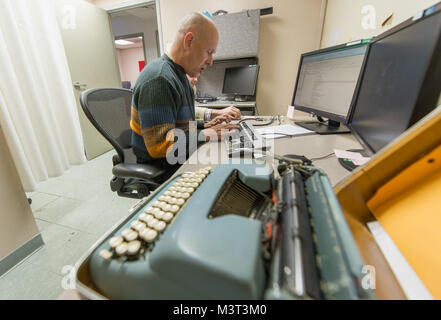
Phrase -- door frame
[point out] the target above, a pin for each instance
(141, 3)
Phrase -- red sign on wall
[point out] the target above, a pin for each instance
(141, 65)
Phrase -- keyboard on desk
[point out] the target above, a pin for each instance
(246, 141)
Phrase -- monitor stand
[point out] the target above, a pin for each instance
(348, 164)
(323, 128)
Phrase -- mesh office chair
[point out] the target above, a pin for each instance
(109, 111)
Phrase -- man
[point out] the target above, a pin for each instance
(207, 114)
(163, 100)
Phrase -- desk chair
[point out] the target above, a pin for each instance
(108, 109)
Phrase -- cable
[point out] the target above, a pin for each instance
(260, 124)
(321, 158)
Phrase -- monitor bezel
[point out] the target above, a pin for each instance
(413, 119)
(320, 113)
(257, 66)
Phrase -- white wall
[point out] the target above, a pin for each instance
(293, 28)
(344, 18)
(128, 63)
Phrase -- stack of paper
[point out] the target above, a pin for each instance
(282, 131)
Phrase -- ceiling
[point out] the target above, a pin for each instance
(145, 13)
(137, 43)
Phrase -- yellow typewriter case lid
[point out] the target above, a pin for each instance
(401, 189)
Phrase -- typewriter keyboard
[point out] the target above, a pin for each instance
(149, 224)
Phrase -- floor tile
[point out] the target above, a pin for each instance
(57, 209)
(41, 224)
(63, 246)
(30, 282)
(40, 199)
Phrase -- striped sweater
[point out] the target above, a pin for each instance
(163, 100)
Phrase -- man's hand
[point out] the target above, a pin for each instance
(218, 131)
(233, 112)
(217, 120)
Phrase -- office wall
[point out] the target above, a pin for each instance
(344, 20)
(128, 63)
(17, 224)
(293, 28)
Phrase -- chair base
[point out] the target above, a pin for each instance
(132, 188)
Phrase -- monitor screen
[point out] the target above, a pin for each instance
(241, 80)
(327, 81)
(399, 84)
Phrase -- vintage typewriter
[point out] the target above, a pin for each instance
(240, 231)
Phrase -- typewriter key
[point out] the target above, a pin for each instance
(146, 218)
(167, 193)
(125, 232)
(115, 241)
(178, 194)
(160, 225)
(106, 254)
(172, 200)
(194, 185)
(159, 214)
(174, 209)
(179, 202)
(189, 190)
(161, 198)
(172, 189)
(148, 210)
(152, 222)
(133, 247)
(121, 249)
(131, 236)
(185, 195)
(149, 235)
(167, 216)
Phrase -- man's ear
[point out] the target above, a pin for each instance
(188, 39)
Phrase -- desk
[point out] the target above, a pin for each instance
(311, 146)
(247, 108)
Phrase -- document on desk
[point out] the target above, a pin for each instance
(282, 131)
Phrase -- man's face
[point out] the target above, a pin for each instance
(201, 52)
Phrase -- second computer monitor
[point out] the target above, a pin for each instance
(326, 83)
(241, 81)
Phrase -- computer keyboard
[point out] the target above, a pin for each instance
(246, 141)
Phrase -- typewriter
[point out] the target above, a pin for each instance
(240, 231)
(246, 142)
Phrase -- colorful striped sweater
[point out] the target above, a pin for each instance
(163, 100)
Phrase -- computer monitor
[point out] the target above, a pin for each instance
(241, 81)
(325, 85)
(400, 81)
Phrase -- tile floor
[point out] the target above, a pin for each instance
(72, 212)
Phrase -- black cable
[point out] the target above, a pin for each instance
(321, 158)
(260, 124)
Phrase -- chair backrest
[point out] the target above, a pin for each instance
(109, 110)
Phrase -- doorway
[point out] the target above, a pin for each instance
(136, 40)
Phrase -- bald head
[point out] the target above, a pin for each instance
(196, 23)
(195, 43)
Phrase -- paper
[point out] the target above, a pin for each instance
(290, 113)
(282, 131)
(355, 157)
